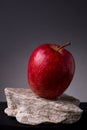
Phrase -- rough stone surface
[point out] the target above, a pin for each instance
(28, 108)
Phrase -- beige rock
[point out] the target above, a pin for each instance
(29, 108)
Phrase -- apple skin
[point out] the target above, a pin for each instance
(50, 71)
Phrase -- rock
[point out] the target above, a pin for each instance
(29, 108)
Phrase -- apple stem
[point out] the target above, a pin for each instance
(64, 45)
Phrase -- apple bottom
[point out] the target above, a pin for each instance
(50, 92)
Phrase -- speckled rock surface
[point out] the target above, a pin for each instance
(28, 108)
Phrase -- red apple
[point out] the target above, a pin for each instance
(50, 70)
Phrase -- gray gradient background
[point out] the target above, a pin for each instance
(25, 24)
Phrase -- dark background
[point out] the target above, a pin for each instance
(25, 24)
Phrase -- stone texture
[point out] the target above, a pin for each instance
(29, 108)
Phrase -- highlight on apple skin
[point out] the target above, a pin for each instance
(51, 69)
